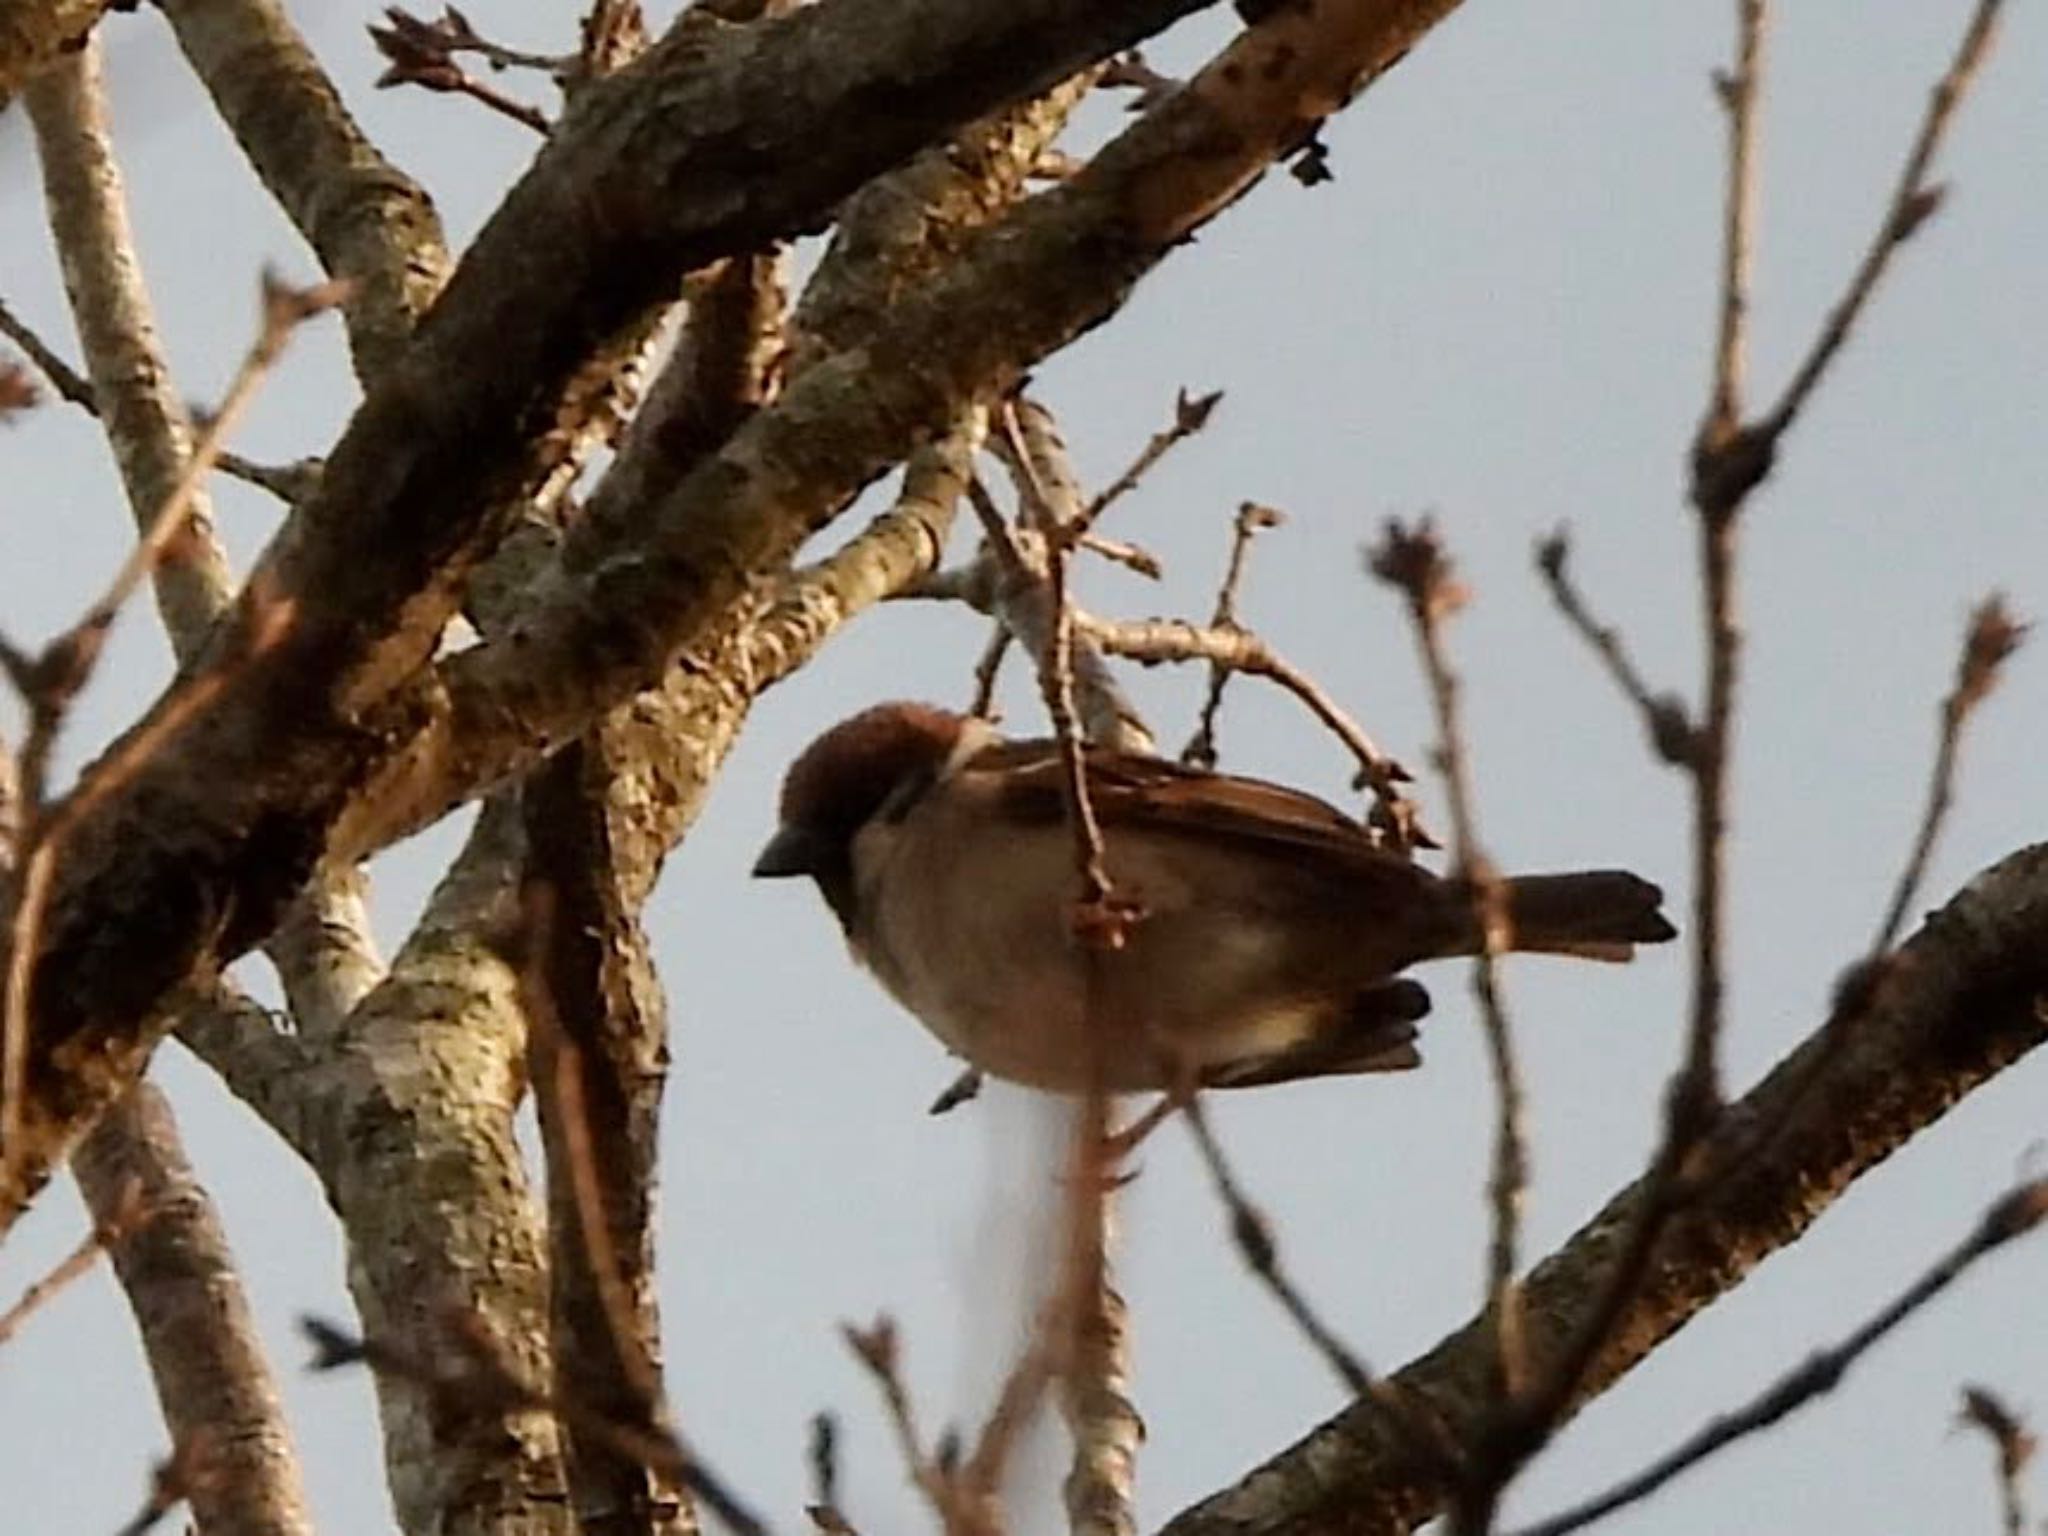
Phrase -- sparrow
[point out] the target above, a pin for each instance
(1271, 927)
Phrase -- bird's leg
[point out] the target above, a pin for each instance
(1183, 1083)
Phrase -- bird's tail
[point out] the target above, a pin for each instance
(1597, 914)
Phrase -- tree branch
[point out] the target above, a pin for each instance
(213, 1381)
(588, 239)
(364, 217)
(1969, 997)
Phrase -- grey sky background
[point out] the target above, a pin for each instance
(1500, 310)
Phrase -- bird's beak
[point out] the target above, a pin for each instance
(793, 850)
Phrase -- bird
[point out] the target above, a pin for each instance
(1270, 928)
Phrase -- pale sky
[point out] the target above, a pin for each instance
(1500, 311)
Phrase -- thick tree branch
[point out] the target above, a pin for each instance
(145, 421)
(213, 1380)
(34, 34)
(1061, 263)
(703, 147)
(325, 957)
(409, 1125)
(598, 825)
(366, 219)
(1968, 998)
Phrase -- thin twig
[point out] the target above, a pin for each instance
(451, 33)
(70, 384)
(128, 1216)
(519, 111)
(1724, 463)
(171, 1482)
(1740, 93)
(1096, 920)
(1415, 561)
(66, 665)
(480, 1380)
(963, 1088)
(1150, 642)
(1913, 202)
(2014, 1215)
(1009, 580)
(1086, 1344)
(1094, 1350)
(878, 1348)
(1664, 715)
(1016, 1404)
(39, 867)
(1004, 542)
(1190, 414)
(423, 53)
(823, 1458)
(1200, 752)
(1122, 552)
(285, 308)
(1130, 72)
(1993, 636)
(986, 671)
(287, 482)
(1727, 463)
(2015, 1444)
(1260, 1250)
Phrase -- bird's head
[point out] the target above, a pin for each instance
(873, 764)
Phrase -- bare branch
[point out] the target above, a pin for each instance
(1200, 752)
(1415, 562)
(70, 385)
(1913, 202)
(34, 34)
(364, 217)
(878, 1348)
(287, 482)
(469, 1377)
(986, 670)
(427, 459)
(2016, 1214)
(1961, 1007)
(284, 309)
(451, 33)
(213, 1381)
(172, 1482)
(1740, 94)
(423, 53)
(2015, 1444)
(1663, 714)
(106, 1231)
(1092, 1340)
(65, 666)
(1992, 637)
(1132, 557)
(1099, 920)
(1150, 642)
(823, 1457)
(1191, 413)
(1257, 1245)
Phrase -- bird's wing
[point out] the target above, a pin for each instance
(1153, 794)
